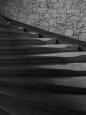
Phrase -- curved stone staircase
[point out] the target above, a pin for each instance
(40, 72)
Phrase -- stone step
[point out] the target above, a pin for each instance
(69, 66)
(58, 70)
(46, 40)
(47, 70)
(18, 34)
(11, 41)
(51, 48)
(71, 69)
(72, 82)
(39, 41)
(11, 57)
(33, 33)
(77, 82)
(9, 30)
(57, 58)
(30, 41)
(20, 47)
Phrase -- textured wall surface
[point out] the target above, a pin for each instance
(60, 16)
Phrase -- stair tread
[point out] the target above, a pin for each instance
(32, 41)
(51, 58)
(11, 47)
(60, 54)
(50, 55)
(69, 66)
(71, 69)
(53, 45)
(5, 40)
(40, 49)
(53, 40)
(75, 82)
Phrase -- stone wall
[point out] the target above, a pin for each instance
(66, 17)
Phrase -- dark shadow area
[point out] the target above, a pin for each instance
(80, 49)
(3, 112)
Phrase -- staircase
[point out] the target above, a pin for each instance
(40, 72)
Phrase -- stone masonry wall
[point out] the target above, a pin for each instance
(66, 17)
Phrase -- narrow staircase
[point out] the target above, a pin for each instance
(40, 72)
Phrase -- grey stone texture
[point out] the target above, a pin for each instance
(66, 17)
